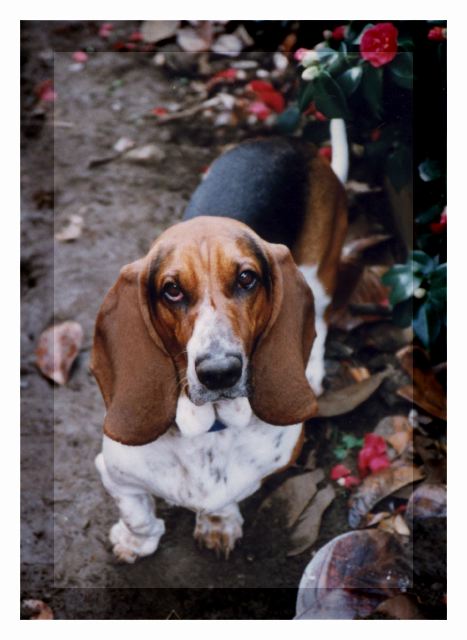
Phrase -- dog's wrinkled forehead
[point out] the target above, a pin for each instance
(206, 255)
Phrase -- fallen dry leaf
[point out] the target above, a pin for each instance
(426, 391)
(196, 39)
(401, 607)
(427, 501)
(294, 494)
(228, 44)
(397, 431)
(72, 231)
(394, 523)
(37, 610)
(350, 576)
(57, 349)
(335, 403)
(146, 154)
(157, 30)
(306, 532)
(377, 486)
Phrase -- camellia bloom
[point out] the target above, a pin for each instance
(437, 33)
(439, 227)
(372, 457)
(378, 45)
(339, 32)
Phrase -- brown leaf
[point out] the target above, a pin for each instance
(72, 230)
(37, 610)
(377, 486)
(427, 501)
(350, 575)
(335, 403)
(57, 349)
(307, 529)
(294, 495)
(359, 286)
(395, 523)
(397, 431)
(401, 607)
(426, 391)
(157, 30)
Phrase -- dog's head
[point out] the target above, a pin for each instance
(212, 311)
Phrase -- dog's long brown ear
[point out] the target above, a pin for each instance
(135, 374)
(281, 393)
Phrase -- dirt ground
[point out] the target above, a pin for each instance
(66, 514)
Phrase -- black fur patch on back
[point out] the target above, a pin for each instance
(263, 183)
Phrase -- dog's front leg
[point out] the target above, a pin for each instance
(138, 531)
(219, 530)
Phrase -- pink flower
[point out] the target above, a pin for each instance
(259, 109)
(45, 91)
(339, 33)
(80, 56)
(378, 45)
(372, 456)
(300, 53)
(438, 34)
(136, 36)
(351, 481)
(339, 471)
(106, 29)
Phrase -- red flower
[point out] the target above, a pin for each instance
(372, 456)
(378, 45)
(437, 33)
(159, 111)
(439, 227)
(260, 86)
(267, 94)
(325, 152)
(226, 74)
(375, 135)
(339, 471)
(351, 481)
(136, 36)
(339, 32)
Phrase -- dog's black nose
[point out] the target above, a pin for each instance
(219, 373)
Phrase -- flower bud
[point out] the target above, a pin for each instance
(310, 73)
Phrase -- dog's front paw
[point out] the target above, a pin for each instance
(128, 546)
(219, 532)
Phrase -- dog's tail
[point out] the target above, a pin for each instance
(340, 149)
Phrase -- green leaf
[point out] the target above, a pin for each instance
(399, 167)
(288, 120)
(402, 281)
(427, 324)
(329, 97)
(350, 79)
(429, 215)
(430, 170)
(306, 96)
(340, 453)
(401, 70)
(351, 442)
(422, 263)
(402, 313)
(372, 88)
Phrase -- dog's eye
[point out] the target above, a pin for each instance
(247, 279)
(172, 292)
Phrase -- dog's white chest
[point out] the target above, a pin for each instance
(206, 472)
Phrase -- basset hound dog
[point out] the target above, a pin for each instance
(202, 348)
